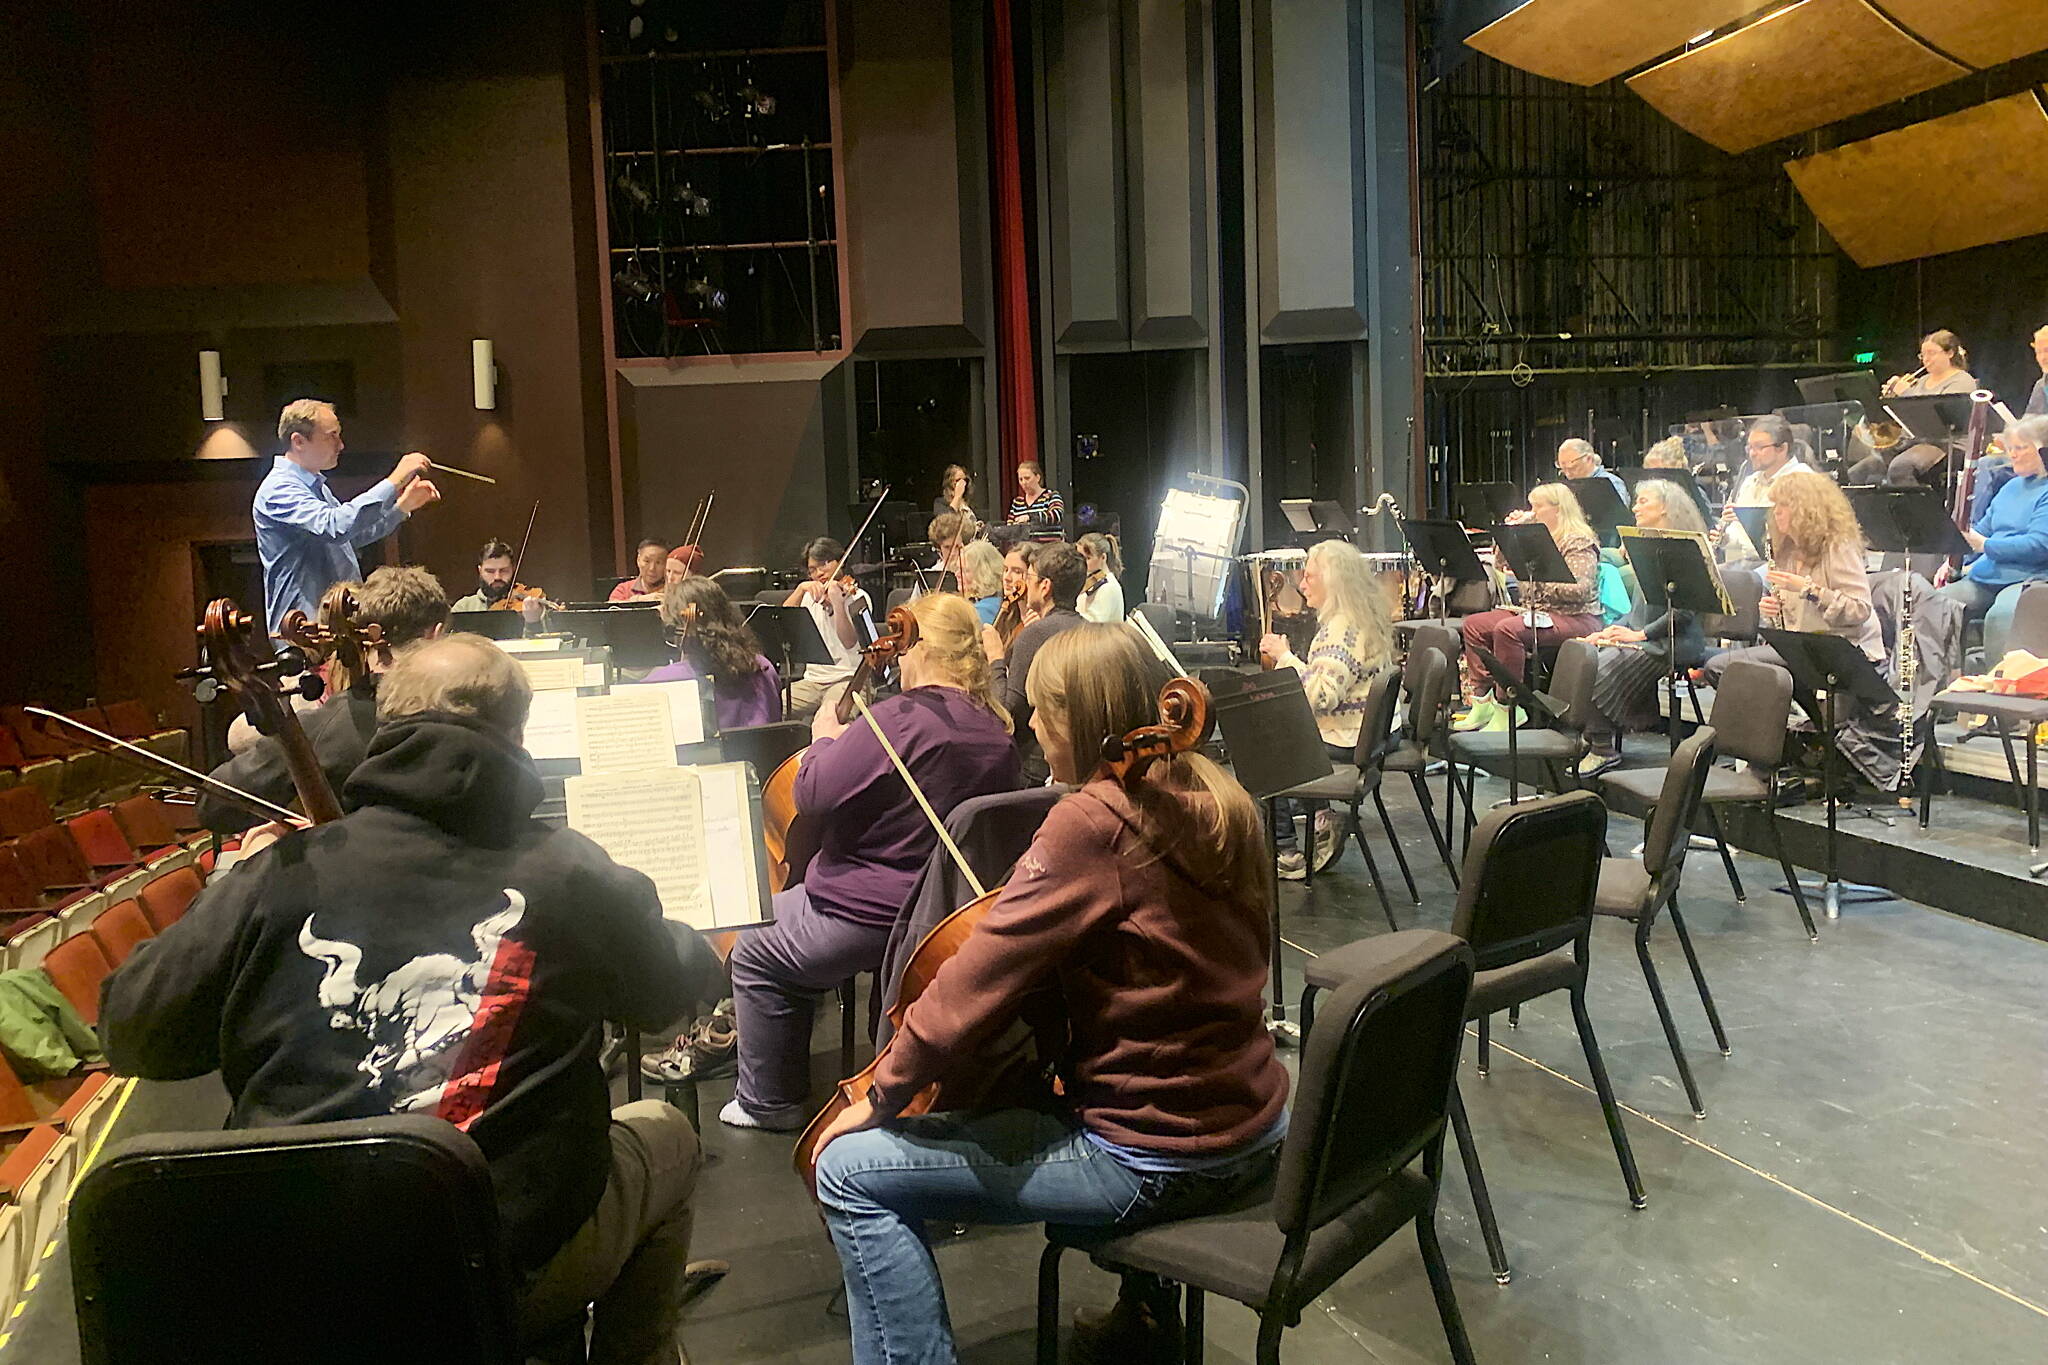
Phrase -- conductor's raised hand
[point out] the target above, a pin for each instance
(417, 494)
(408, 468)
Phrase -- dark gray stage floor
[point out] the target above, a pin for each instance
(1867, 1185)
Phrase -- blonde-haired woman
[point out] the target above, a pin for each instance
(1564, 611)
(981, 578)
(873, 842)
(1102, 596)
(1354, 640)
(1146, 909)
(1817, 581)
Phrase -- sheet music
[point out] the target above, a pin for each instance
(551, 725)
(626, 731)
(547, 675)
(691, 830)
(1158, 647)
(729, 828)
(534, 644)
(593, 674)
(685, 706)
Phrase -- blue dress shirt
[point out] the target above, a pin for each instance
(2015, 531)
(307, 537)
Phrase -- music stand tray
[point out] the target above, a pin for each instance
(1850, 386)
(1444, 551)
(1675, 571)
(1320, 518)
(1826, 665)
(1481, 504)
(636, 638)
(1908, 521)
(1935, 418)
(492, 625)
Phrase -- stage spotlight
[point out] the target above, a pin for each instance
(635, 283)
(634, 191)
(693, 203)
(707, 293)
(756, 100)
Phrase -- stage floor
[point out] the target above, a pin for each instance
(1866, 1187)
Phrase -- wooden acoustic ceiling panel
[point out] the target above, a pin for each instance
(1805, 66)
(1590, 41)
(1979, 33)
(1943, 185)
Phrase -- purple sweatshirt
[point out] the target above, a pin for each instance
(757, 701)
(876, 839)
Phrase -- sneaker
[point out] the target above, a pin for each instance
(789, 1119)
(1329, 837)
(1479, 716)
(707, 1052)
(1130, 1333)
(1293, 866)
(1592, 765)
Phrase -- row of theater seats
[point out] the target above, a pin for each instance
(71, 777)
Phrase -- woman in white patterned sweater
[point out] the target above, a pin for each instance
(1354, 641)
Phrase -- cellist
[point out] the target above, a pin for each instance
(1146, 908)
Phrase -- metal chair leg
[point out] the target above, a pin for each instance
(849, 999)
(1049, 1305)
(1483, 1058)
(1656, 985)
(1440, 1288)
(1727, 859)
(1191, 1328)
(1379, 887)
(1514, 1016)
(1791, 874)
(1482, 1203)
(1436, 832)
(1699, 979)
(1608, 1108)
(1394, 842)
(1308, 1008)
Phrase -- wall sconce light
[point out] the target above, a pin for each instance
(483, 373)
(213, 387)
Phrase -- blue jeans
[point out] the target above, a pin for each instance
(879, 1187)
(1286, 808)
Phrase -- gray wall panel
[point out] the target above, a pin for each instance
(1166, 115)
(916, 168)
(1309, 131)
(1084, 158)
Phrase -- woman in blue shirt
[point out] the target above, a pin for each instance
(2011, 534)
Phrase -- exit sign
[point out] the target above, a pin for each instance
(1866, 357)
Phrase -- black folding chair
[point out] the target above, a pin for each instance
(1350, 783)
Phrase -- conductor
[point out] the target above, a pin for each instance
(307, 537)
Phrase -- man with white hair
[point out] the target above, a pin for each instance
(307, 537)
(439, 951)
(1576, 459)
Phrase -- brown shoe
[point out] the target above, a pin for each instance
(1130, 1333)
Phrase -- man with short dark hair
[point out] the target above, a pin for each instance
(407, 606)
(466, 971)
(494, 566)
(1051, 587)
(306, 537)
(650, 560)
(835, 608)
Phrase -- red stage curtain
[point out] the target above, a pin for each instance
(1016, 372)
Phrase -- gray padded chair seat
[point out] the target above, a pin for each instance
(1494, 991)
(1347, 784)
(1624, 886)
(1236, 1253)
(1411, 757)
(1723, 784)
(1491, 746)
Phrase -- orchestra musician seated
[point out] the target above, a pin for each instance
(2010, 536)
(494, 571)
(1354, 641)
(1772, 451)
(713, 642)
(407, 605)
(949, 532)
(954, 736)
(1146, 911)
(1943, 369)
(1102, 595)
(834, 604)
(1564, 611)
(1052, 585)
(649, 557)
(1039, 509)
(438, 951)
(1635, 655)
(981, 574)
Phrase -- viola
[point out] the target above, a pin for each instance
(1022, 1072)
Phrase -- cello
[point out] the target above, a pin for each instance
(779, 814)
(1023, 1071)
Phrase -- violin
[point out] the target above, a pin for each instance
(1010, 615)
(782, 828)
(1023, 1073)
(519, 595)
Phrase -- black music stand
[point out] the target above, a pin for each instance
(1675, 572)
(1266, 721)
(1536, 705)
(1635, 476)
(1317, 519)
(1603, 507)
(1533, 557)
(1482, 504)
(1939, 419)
(492, 625)
(1825, 665)
(789, 637)
(1850, 386)
(1444, 550)
(1756, 524)
(1836, 419)
(637, 639)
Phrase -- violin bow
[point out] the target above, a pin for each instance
(880, 498)
(524, 539)
(903, 771)
(151, 761)
(699, 520)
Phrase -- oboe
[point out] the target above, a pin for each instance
(1909, 672)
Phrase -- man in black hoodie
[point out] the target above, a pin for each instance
(439, 951)
(408, 605)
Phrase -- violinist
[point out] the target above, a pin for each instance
(981, 579)
(495, 566)
(1102, 596)
(1013, 613)
(949, 532)
(714, 643)
(1052, 587)
(650, 576)
(834, 602)
(286, 979)
(1146, 910)
(408, 606)
(873, 843)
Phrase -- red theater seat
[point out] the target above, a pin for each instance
(119, 928)
(22, 809)
(77, 966)
(98, 836)
(53, 861)
(166, 899)
(146, 823)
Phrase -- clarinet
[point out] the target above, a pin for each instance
(1909, 673)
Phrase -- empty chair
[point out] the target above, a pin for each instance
(53, 861)
(168, 895)
(1525, 904)
(191, 1247)
(78, 965)
(1350, 783)
(1427, 678)
(119, 928)
(1638, 891)
(1362, 1159)
(100, 839)
(147, 823)
(22, 809)
(1752, 707)
(1555, 747)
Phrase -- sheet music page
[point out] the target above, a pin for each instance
(546, 675)
(626, 731)
(730, 837)
(593, 674)
(685, 706)
(551, 725)
(652, 821)
(533, 644)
